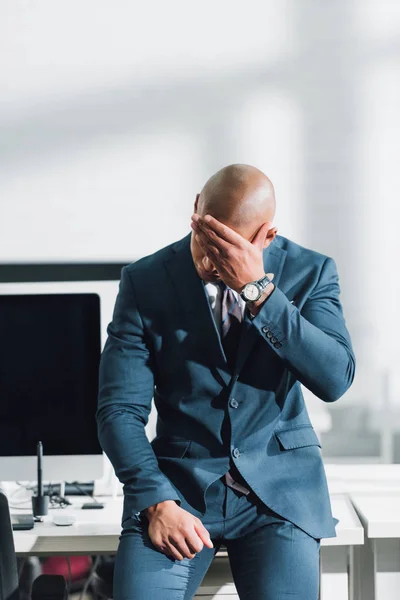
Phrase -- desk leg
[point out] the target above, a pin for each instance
(362, 584)
(334, 573)
(387, 577)
(320, 574)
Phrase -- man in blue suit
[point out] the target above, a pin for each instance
(221, 328)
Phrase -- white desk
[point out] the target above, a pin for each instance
(374, 490)
(346, 478)
(377, 563)
(335, 554)
(97, 532)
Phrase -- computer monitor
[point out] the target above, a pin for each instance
(50, 347)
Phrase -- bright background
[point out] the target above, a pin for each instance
(113, 115)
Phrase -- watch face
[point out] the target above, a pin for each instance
(251, 292)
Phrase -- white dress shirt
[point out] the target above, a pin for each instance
(215, 297)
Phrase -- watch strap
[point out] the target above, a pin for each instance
(264, 281)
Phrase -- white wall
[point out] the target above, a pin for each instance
(113, 114)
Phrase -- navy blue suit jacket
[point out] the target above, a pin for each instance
(163, 343)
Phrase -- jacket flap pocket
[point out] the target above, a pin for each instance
(170, 448)
(297, 437)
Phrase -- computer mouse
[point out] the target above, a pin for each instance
(64, 519)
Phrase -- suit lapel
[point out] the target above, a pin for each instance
(193, 298)
(274, 258)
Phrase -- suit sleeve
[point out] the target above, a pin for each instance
(126, 387)
(313, 342)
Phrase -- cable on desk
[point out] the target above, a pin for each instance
(84, 492)
(55, 500)
(20, 504)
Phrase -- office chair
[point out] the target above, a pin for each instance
(102, 581)
(45, 587)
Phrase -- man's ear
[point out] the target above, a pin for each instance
(196, 202)
(264, 235)
(271, 233)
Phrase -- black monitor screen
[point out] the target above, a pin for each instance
(49, 360)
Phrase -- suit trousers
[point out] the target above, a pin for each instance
(270, 557)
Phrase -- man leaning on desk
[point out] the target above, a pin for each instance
(221, 328)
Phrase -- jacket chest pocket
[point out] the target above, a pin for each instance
(297, 437)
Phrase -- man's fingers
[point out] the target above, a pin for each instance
(223, 231)
(212, 237)
(270, 275)
(207, 246)
(194, 542)
(181, 547)
(203, 238)
(174, 551)
(219, 235)
(203, 534)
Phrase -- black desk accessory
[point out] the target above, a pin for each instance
(20, 522)
(40, 503)
(89, 505)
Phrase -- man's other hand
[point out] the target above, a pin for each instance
(176, 532)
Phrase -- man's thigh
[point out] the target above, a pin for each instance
(142, 571)
(277, 561)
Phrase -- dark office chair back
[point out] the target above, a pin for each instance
(49, 587)
(8, 562)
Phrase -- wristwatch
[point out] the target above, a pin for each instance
(253, 291)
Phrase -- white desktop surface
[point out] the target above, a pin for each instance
(97, 531)
(348, 478)
(94, 531)
(349, 530)
(379, 512)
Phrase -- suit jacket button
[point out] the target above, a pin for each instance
(273, 340)
(265, 329)
(269, 334)
(278, 345)
(234, 403)
(236, 452)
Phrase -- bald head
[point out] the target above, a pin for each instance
(240, 196)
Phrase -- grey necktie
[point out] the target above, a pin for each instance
(231, 323)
